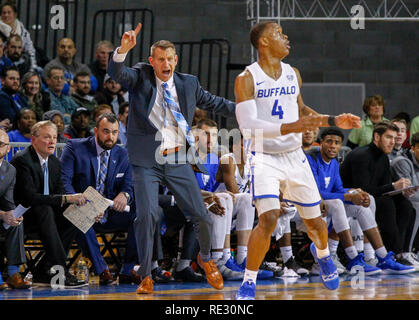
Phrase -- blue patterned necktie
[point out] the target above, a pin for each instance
(180, 119)
(46, 178)
(103, 169)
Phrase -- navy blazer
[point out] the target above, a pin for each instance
(140, 80)
(79, 168)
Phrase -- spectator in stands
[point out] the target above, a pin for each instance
(374, 109)
(123, 120)
(408, 167)
(398, 149)
(406, 117)
(13, 244)
(39, 186)
(9, 100)
(368, 168)
(81, 93)
(14, 52)
(309, 139)
(33, 95)
(110, 94)
(57, 118)
(99, 66)
(112, 178)
(59, 101)
(4, 61)
(414, 127)
(79, 127)
(10, 25)
(24, 122)
(66, 50)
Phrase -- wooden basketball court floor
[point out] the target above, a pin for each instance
(379, 287)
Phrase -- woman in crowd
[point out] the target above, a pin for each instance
(374, 113)
(33, 95)
(9, 24)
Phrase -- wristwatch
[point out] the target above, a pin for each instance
(126, 194)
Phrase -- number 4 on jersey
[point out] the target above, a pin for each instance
(277, 110)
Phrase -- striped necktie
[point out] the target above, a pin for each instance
(171, 104)
(103, 169)
(46, 178)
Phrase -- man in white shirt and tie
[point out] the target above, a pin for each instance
(162, 104)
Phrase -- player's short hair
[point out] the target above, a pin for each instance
(331, 131)
(162, 44)
(41, 124)
(206, 122)
(399, 120)
(382, 127)
(80, 74)
(257, 31)
(372, 100)
(415, 139)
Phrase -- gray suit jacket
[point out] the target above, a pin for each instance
(7, 184)
(141, 83)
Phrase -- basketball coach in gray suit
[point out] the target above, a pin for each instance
(15, 250)
(162, 105)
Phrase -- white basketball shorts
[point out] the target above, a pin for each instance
(288, 173)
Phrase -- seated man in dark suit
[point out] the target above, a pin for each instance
(39, 186)
(13, 234)
(98, 162)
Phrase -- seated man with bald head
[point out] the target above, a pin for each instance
(66, 51)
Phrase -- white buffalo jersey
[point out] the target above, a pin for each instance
(276, 101)
(242, 181)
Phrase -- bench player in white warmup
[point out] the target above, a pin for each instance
(268, 101)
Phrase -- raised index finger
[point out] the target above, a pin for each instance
(138, 28)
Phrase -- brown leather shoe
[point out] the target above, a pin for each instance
(146, 286)
(3, 286)
(16, 282)
(105, 278)
(214, 277)
(133, 277)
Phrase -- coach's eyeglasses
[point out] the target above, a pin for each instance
(2, 144)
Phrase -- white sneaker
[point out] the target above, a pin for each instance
(339, 266)
(372, 262)
(410, 256)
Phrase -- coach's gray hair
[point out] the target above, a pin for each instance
(41, 124)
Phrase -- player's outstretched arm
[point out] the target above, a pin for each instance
(129, 40)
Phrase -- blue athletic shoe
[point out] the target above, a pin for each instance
(262, 274)
(246, 291)
(233, 265)
(358, 262)
(328, 271)
(390, 266)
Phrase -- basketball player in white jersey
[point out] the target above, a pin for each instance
(269, 105)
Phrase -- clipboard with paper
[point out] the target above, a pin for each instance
(392, 193)
(83, 217)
